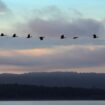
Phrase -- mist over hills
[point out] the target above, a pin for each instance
(56, 79)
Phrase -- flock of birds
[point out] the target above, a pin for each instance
(42, 37)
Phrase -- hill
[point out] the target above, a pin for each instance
(56, 79)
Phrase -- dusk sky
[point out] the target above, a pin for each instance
(51, 18)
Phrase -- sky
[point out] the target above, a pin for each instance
(52, 18)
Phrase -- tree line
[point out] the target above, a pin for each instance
(31, 92)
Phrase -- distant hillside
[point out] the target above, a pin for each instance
(58, 79)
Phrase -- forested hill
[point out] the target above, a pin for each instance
(57, 79)
(29, 92)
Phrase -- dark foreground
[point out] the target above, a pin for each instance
(26, 92)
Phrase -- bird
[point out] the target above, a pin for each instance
(75, 37)
(14, 35)
(62, 37)
(95, 36)
(41, 38)
(2, 34)
(29, 36)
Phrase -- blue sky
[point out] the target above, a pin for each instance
(51, 18)
(21, 11)
(89, 8)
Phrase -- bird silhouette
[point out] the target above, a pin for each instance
(14, 35)
(75, 37)
(29, 36)
(2, 34)
(62, 37)
(41, 38)
(95, 36)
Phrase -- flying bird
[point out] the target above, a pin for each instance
(95, 36)
(2, 34)
(14, 35)
(62, 37)
(29, 36)
(75, 37)
(41, 38)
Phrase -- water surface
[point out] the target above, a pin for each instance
(52, 103)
